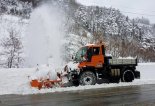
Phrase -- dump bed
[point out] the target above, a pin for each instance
(116, 61)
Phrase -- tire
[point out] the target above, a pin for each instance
(87, 78)
(127, 76)
(75, 83)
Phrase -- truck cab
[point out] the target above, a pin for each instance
(91, 56)
(93, 64)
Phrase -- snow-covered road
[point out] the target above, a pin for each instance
(16, 81)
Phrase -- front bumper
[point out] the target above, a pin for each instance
(137, 74)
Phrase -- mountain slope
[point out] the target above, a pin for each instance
(124, 36)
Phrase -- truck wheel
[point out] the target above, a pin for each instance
(87, 78)
(128, 76)
(75, 83)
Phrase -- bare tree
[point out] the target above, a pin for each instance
(12, 50)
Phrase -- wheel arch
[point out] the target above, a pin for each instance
(132, 68)
(84, 69)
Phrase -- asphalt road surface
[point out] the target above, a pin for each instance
(143, 95)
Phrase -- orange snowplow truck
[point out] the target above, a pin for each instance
(93, 64)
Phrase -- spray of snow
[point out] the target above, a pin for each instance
(44, 36)
(44, 72)
(72, 65)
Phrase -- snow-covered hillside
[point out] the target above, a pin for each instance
(16, 7)
(10, 22)
(16, 81)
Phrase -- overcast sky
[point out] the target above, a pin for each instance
(132, 8)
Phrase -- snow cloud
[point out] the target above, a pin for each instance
(44, 35)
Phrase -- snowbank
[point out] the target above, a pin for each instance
(16, 81)
(147, 71)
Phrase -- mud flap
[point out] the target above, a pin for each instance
(137, 74)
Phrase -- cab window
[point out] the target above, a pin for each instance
(96, 50)
(80, 54)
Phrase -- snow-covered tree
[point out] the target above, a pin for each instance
(16, 7)
(124, 36)
(11, 54)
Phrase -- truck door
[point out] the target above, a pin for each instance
(97, 57)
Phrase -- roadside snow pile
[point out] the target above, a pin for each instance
(147, 71)
(17, 81)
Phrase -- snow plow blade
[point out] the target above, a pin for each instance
(45, 84)
(36, 84)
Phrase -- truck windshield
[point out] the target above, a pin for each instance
(80, 54)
